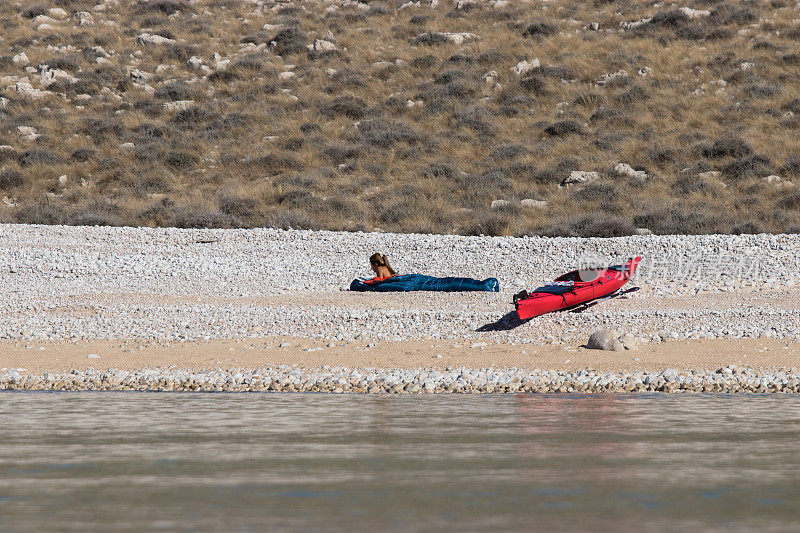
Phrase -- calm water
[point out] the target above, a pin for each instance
(255, 462)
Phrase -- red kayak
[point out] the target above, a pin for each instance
(575, 288)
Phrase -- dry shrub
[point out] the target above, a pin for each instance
(82, 155)
(149, 180)
(342, 208)
(181, 160)
(508, 152)
(342, 153)
(791, 59)
(425, 62)
(103, 128)
(475, 118)
(259, 37)
(292, 220)
(791, 167)
(683, 218)
(750, 227)
(589, 99)
(98, 213)
(34, 11)
(539, 29)
(792, 105)
(11, 178)
(430, 39)
(289, 41)
(240, 207)
(488, 223)
(70, 63)
(790, 201)
(40, 214)
(635, 94)
(478, 190)
(178, 52)
(176, 91)
(200, 216)
(563, 128)
(274, 163)
(727, 147)
(688, 185)
(608, 142)
(345, 106)
(762, 90)
(194, 118)
(9, 154)
(604, 193)
(754, 166)
(663, 156)
(381, 133)
(167, 7)
(38, 156)
(590, 226)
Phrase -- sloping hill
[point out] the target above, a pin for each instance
(573, 117)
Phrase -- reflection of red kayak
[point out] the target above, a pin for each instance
(575, 288)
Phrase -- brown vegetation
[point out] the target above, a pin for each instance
(363, 116)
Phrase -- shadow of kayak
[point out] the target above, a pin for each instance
(507, 322)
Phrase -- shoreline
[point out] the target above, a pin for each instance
(307, 365)
(172, 302)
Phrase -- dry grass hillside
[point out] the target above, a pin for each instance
(559, 117)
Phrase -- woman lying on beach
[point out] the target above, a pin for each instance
(388, 280)
(380, 265)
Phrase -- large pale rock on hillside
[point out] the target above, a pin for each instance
(624, 169)
(524, 66)
(147, 38)
(580, 177)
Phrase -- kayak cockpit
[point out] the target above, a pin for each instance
(591, 275)
(584, 275)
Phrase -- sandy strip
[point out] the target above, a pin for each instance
(60, 356)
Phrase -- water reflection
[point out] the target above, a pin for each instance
(591, 429)
(259, 461)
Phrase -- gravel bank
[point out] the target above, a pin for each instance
(284, 378)
(68, 283)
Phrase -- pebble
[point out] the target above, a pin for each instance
(284, 378)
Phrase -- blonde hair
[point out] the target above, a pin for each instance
(381, 261)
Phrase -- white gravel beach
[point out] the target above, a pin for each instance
(67, 283)
(84, 284)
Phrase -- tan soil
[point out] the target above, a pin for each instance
(763, 354)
